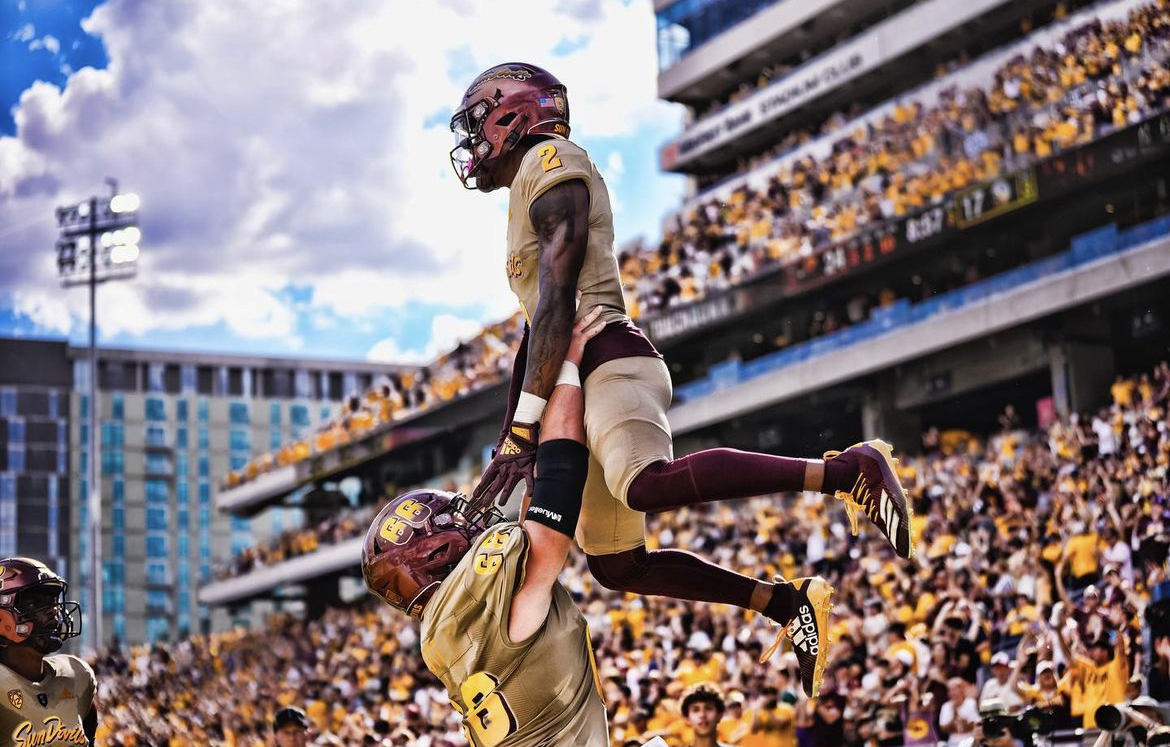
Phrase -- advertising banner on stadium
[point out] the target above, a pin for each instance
(775, 100)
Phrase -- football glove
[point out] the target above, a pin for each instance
(513, 461)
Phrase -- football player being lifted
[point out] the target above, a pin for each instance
(496, 628)
(512, 130)
(45, 698)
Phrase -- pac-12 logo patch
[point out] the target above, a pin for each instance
(16, 698)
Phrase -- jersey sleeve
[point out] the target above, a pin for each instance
(85, 682)
(496, 569)
(548, 164)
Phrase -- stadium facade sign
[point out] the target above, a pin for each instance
(773, 101)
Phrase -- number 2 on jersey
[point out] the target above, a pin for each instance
(549, 159)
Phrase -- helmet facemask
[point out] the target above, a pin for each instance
(38, 616)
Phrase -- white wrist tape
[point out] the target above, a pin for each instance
(569, 375)
(529, 408)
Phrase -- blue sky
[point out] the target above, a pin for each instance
(296, 204)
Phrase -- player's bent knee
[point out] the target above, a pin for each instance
(561, 468)
(620, 570)
(660, 485)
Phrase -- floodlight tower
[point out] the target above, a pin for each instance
(99, 242)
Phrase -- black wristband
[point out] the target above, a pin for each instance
(561, 467)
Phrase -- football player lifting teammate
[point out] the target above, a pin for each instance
(45, 698)
(496, 628)
(512, 130)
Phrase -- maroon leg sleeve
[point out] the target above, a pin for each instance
(671, 573)
(724, 474)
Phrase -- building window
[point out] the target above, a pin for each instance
(157, 491)
(7, 401)
(182, 493)
(274, 440)
(180, 438)
(7, 486)
(187, 379)
(204, 438)
(157, 629)
(181, 464)
(113, 462)
(238, 413)
(154, 377)
(202, 408)
(240, 439)
(158, 464)
(299, 415)
(81, 373)
(156, 573)
(302, 385)
(156, 518)
(156, 546)
(156, 409)
(16, 457)
(204, 467)
(184, 522)
(113, 434)
(156, 435)
(181, 410)
(119, 490)
(119, 518)
(238, 462)
(204, 493)
(274, 414)
(54, 405)
(16, 430)
(119, 543)
(117, 407)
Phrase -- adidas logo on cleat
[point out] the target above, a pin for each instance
(806, 635)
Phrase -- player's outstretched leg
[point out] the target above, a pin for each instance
(863, 475)
(799, 607)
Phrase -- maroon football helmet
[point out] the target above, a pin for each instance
(415, 542)
(33, 610)
(503, 105)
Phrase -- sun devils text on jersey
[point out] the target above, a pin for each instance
(49, 712)
(532, 693)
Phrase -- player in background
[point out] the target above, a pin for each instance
(45, 698)
(512, 130)
(496, 628)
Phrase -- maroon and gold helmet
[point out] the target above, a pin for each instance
(504, 104)
(415, 542)
(33, 610)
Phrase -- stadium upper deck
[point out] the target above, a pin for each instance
(749, 82)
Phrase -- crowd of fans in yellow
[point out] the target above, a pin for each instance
(1037, 552)
(1099, 77)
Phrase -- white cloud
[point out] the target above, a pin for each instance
(24, 33)
(261, 166)
(51, 44)
(447, 331)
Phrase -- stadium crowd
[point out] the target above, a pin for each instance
(479, 362)
(1100, 77)
(1036, 554)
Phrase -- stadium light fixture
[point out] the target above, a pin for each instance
(98, 242)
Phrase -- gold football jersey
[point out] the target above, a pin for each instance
(48, 712)
(533, 693)
(545, 165)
